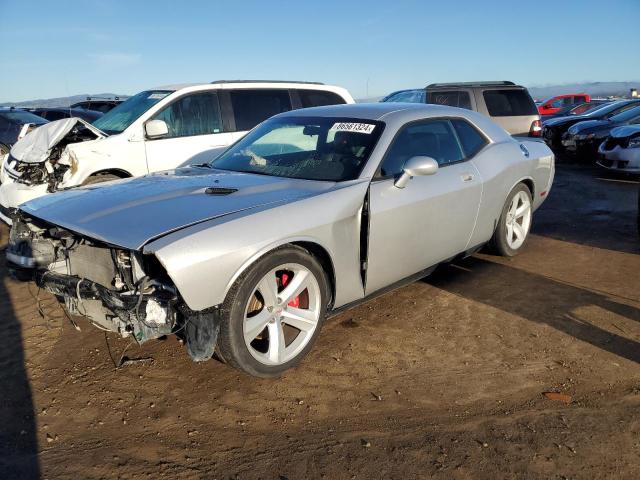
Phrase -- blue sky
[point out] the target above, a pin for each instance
(65, 47)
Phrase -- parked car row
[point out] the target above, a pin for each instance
(604, 134)
(555, 104)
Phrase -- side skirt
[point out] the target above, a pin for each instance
(402, 283)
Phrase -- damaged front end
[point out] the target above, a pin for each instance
(42, 157)
(115, 289)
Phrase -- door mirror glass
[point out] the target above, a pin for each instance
(156, 128)
(416, 166)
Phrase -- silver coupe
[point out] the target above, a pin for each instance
(310, 213)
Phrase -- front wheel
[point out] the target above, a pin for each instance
(514, 224)
(273, 313)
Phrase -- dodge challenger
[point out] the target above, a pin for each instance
(312, 212)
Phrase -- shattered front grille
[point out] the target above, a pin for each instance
(26, 173)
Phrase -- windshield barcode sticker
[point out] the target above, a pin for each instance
(353, 127)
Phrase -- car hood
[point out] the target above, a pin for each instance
(130, 213)
(591, 126)
(625, 131)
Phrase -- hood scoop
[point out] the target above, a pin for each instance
(219, 191)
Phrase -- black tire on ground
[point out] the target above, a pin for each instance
(498, 243)
(231, 345)
(100, 178)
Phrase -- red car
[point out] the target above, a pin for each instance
(552, 105)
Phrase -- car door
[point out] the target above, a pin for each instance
(432, 218)
(195, 132)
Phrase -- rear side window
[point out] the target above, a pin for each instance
(319, 98)
(471, 139)
(251, 107)
(197, 114)
(452, 98)
(409, 96)
(509, 103)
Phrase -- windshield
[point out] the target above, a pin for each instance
(119, 118)
(610, 109)
(20, 116)
(310, 148)
(626, 115)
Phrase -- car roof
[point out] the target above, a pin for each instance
(398, 113)
(245, 84)
(365, 111)
(56, 109)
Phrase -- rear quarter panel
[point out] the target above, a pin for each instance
(502, 166)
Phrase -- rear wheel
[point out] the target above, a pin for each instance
(514, 224)
(274, 313)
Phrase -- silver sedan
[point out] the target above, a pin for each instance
(311, 213)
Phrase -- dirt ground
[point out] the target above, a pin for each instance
(442, 379)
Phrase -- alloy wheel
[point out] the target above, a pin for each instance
(282, 314)
(518, 220)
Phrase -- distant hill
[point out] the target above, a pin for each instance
(600, 89)
(60, 101)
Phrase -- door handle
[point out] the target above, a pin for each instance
(466, 177)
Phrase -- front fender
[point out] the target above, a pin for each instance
(206, 259)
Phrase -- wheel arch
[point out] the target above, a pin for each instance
(311, 245)
(118, 172)
(528, 182)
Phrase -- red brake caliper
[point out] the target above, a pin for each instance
(295, 303)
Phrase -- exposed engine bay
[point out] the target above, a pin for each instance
(42, 156)
(116, 290)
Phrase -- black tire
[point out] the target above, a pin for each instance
(498, 243)
(231, 346)
(100, 178)
(4, 149)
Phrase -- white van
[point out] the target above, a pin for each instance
(155, 130)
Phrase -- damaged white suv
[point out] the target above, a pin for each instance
(155, 130)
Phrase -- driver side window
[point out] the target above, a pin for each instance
(197, 114)
(431, 138)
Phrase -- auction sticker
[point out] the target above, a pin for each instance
(157, 96)
(353, 127)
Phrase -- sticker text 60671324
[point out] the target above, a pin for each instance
(353, 127)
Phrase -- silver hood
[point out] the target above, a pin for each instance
(129, 213)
